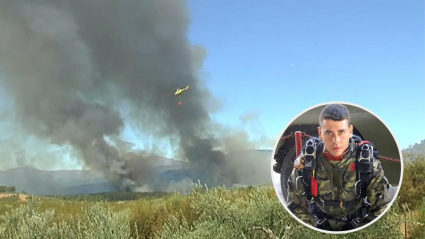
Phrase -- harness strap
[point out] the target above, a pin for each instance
(306, 176)
(350, 220)
(309, 150)
(364, 167)
(359, 214)
(335, 203)
(356, 218)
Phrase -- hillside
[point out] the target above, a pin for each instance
(414, 152)
(250, 167)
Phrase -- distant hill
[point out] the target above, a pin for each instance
(41, 182)
(414, 152)
(250, 167)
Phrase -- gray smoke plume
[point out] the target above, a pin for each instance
(80, 71)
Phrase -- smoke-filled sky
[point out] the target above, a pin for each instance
(82, 77)
(90, 83)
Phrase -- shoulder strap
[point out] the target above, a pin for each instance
(365, 154)
(309, 150)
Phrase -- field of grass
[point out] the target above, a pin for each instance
(251, 212)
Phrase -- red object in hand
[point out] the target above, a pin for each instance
(180, 103)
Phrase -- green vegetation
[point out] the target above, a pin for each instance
(111, 196)
(251, 212)
(6, 189)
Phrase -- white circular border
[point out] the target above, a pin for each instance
(356, 229)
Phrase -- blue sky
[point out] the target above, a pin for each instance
(279, 58)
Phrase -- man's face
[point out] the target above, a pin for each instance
(335, 135)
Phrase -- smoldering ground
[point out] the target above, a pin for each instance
(79, 72)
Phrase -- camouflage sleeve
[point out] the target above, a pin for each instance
(378, 191)
(295, 199)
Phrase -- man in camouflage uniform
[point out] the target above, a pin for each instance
(336, 204)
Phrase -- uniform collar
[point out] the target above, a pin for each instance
(329, 156)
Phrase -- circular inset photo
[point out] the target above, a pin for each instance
(337, 167)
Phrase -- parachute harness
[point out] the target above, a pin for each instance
(364, 168)
(365, 153)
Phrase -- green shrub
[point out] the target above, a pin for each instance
(29, 221)
(251, 212)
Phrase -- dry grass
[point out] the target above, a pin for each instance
(22, 197)
(409, 217)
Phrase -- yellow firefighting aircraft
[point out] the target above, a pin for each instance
(180, 91)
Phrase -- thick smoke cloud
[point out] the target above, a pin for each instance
(79, 71)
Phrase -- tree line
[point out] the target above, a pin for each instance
(7, 189)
